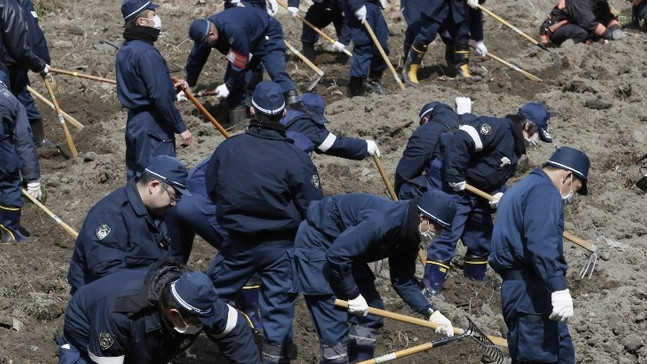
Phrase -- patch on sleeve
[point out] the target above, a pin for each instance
(236, 59)
(105, 340)
(102, 231)
(315, 181)
(486, 129)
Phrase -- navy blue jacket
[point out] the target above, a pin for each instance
(144, 83)
(424, 144)
(261, 184)
(354, 5)
(365, 228)
(15, 127)
(484, 152)
(118, 233)
(103, 320)
(240, 31)
(37, 40)
(14, 39)
(528, 230)
(313, 128)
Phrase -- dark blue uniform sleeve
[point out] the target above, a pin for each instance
(160, 89)
(402, 268)
(465, 142)
(25, 147)
(306, 187)
(416, 155)
(293, 3)
(351, 244)
(543, 229)
(328, 143)
(104, 324)
(232, 335)
(108, 254)
(16, 37)
(238, 54)
(476, 24)
(196, 61)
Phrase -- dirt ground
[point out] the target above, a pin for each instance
(594, 96)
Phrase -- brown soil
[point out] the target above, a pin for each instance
(594, 97)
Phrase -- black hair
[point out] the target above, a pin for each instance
(167, 301)
(145, 178)
(520, 121)
(262, 118)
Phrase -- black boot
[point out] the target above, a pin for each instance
(375, 83)
(412, 63)
(308, 50)
(38, 131)
(10, 231)
(237, 115)
(291, 97)
(355, 86)
(461, 60)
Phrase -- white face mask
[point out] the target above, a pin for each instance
(533, 140)
(157, 22)
(426, 236)
(570, 195)
(188, 329)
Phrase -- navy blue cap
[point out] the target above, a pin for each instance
(573, 160)
(316, 104)
(539, 115)
(194, 292)
(169, 170)
(130, 8)
(268, 98)
(199, 30)
(427, 109)
(438, 207)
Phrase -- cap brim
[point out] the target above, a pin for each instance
(543, 135)
(182, 191)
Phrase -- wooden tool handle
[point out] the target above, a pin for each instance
(65, 226)
(82, 75)
(68, 136)
(202, 109)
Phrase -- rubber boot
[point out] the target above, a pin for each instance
(361, 343)
(38, 130)
(308, 50)
(10, 225)
(375, 83)
(475, 267)
(434, 278)
(461, 60)
(291, 97)
(449, 55)
(355, 86)
(412, 63)
(237, 115)
(247, 303)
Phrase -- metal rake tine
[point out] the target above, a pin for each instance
(491, 350)
(589, 266)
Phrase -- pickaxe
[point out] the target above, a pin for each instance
(305, 59)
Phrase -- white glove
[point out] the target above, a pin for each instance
(358, 306)
(618, 34)
(562, 305)
(181, 96)
(338, 47)
(495, 203)
(235, 2)
(383, 4)
(222, 91)
(444, 325)
(458, 186)
(481, 49)
(371, 148)
(45, 70)
(463, 105)
(361, 14)
(293, 11)
(273, 7)
(33, 188)
(473, 3)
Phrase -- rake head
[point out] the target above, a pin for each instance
(589, 265)
(493, 353)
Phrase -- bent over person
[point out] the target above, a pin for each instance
(340, 236)
(147, 317)
(528, 253)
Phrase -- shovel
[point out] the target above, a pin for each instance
(589, 262)
(305, 59)
(558, 61)
(472, 332)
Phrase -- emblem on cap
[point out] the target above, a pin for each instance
(105, 340)
(102, 231)
(486, 129)
(315, 181)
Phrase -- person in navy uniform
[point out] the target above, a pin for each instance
(151, 316)
(125, 230)
(528, 253)
(340, 236)
(320, 14)
(262, 184)
(484, 152)
(145, 88)
(19, 158)
(367, 60)
(306, 125)
(247, 36)
(19, 78)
